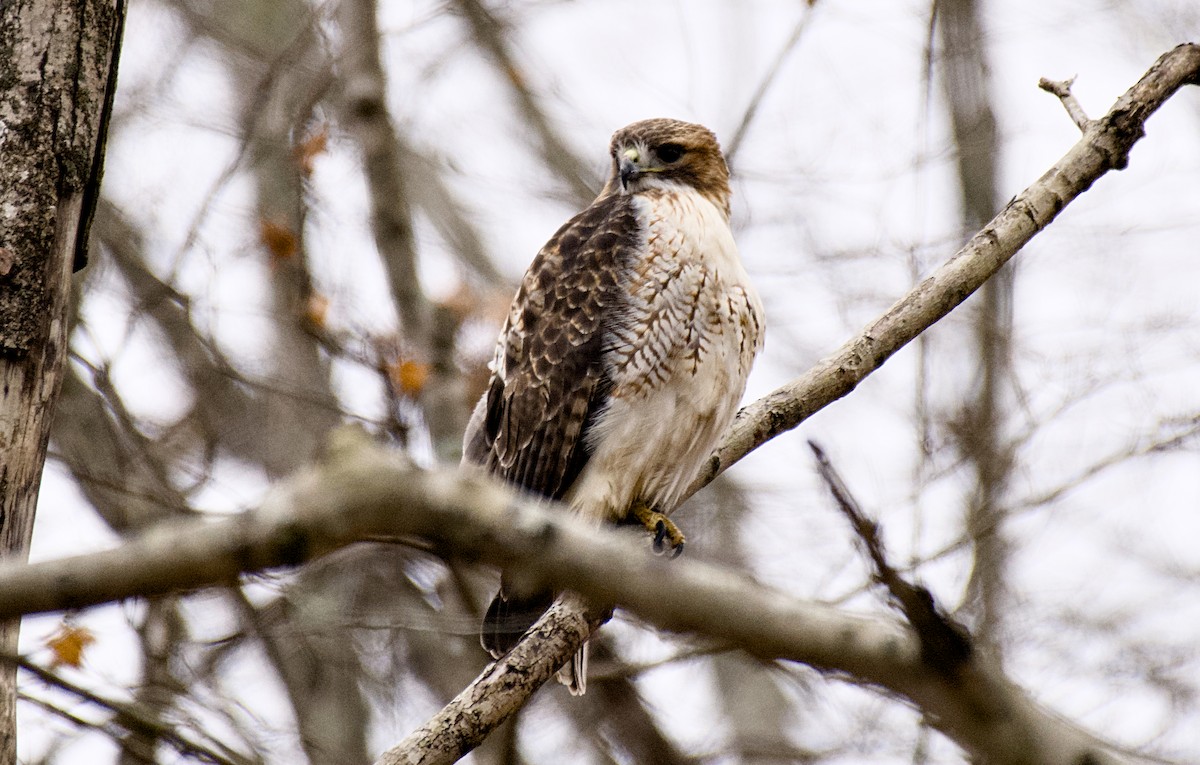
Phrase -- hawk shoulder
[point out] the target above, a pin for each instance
(548, 378)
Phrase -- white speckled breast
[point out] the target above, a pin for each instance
(679, 356)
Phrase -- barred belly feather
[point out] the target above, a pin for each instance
(678, 356)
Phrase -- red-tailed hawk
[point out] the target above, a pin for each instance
(625, 352)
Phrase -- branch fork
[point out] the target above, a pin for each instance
(1062, 89)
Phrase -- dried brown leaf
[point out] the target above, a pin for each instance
(279, 240)
(68, 645)
(313, 146)
(408, 376)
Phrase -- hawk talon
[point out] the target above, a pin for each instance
(660, 535)
(666, 533)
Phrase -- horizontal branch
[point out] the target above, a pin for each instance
(366, 492)
(363, 491)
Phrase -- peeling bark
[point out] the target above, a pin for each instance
(56, 75)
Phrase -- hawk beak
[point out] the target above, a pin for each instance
(628, 167)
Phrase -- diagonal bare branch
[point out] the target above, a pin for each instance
(492, 37)
(1104, 146)
(743, 128)
(945, 644)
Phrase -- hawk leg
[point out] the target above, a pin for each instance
(666, 533)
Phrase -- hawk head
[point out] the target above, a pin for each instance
(666, 153)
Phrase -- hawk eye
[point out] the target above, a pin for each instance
(669, 152)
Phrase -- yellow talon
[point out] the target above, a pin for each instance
(663, 529)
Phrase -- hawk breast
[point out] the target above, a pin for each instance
(677, 357)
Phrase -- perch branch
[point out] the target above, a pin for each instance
(363, 491)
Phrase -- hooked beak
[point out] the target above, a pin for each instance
(628, 167)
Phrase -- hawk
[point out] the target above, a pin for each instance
(624, 355)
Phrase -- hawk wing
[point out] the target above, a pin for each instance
(548, 379)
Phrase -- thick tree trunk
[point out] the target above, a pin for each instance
(56, 65)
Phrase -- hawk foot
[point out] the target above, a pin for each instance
(666, 533)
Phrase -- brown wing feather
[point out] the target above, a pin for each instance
(550, 380)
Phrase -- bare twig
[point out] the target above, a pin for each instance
(945, 644)
(492, 37)
(1062, 89)
(629, 670)
(132, 718)
(281, 59)
(1163, 443)
(433, 195)
(739, 135)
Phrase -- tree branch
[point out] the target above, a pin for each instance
(1062, 89)
(739, 135)
(391, 214)
(494, 39)
(356, 495)
(1105, 146)
(133, 718)
(945, 644)
(500, 690)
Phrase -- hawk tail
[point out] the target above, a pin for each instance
(507, 620)
(509, 617)
(574, 673)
